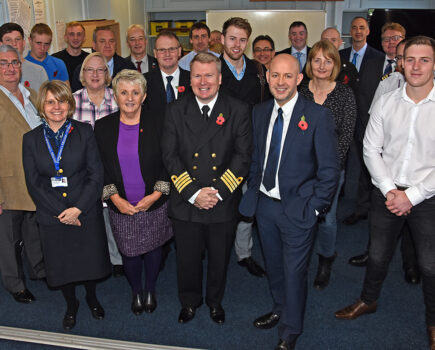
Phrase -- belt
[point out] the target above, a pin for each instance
(268, 197)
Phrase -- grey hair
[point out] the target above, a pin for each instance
(131, 76)
(138, 26)
(9, 48)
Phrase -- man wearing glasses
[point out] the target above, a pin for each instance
(18, 228)
(392, 34)
(263, 48)
(103, 40)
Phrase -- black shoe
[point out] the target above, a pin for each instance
(117, 270)
(137, 304)
(323, 271)
(252, 266)
(359, 260)
(217, 314)
(97, 310)
(186, 314)
(267, 321)
(352, 219)
(412, 275)
(69, 320)
(286, 345)
(24, 296)
(150, 302)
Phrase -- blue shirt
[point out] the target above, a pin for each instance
(360, 56)
(55, 67)
(184, 62)
(234, 71)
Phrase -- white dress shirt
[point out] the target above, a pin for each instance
(394, 64)
(287, 111)
(143, 63)
(399, 144)
(174, 82)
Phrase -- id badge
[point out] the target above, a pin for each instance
(59, 181)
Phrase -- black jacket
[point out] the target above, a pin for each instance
(152, 62)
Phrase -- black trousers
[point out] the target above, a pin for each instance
(19, 234)
(192, 239)
(385, 228)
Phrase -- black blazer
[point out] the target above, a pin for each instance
(152, 62)
(119, 64)
(199, 153)
(370, 75)
(150, 157)
(248, 89)
(156, 90)
(80, 163)
(304, 69)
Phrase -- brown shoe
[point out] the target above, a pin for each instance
(355, 310)
(431, 334)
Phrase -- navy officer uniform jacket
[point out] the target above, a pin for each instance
(214, 153)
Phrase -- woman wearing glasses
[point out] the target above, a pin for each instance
(64, 177)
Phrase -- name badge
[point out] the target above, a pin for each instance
(59, 181)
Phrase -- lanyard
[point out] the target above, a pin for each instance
(56, 160)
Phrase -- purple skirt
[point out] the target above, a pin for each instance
(142, 232)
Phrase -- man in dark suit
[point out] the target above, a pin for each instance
(206, 147)
(293, 176)
(369, 62)
(103, 40)
(244, 79)
(137, 43)
(297, 34)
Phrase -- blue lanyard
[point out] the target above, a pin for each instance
(56, 160)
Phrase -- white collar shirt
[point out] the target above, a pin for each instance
(143, 63)
(174, 82)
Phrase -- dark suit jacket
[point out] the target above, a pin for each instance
(309, 169)
(80, 163)
(150, 156)
(370, 74)
(248, 89)
(152, 62)
(348, 75)
(214, 153)
(304, 69)
(156, 89)
(119, 64)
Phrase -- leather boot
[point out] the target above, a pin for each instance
(324, 271)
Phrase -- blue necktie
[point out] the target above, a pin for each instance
(274, 149)
(170, 95)
(389, 67)
(298, 55)
(355, 55)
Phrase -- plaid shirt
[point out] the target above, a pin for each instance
(87, 112)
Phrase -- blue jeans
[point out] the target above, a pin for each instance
(327, 229)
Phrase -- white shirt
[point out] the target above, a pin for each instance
(394, 64)
(143, 63)
(399, 144)
(393, 82)
(28, 111)
(287, 110)
(174, 81)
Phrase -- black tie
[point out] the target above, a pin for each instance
(205, 110)
(170, 95)
(389, 67)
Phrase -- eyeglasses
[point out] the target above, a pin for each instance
(387, 39)
(266, 49)
(169, 49)
(399, 57)
(5, 64)
(98, 70)
(52, 103)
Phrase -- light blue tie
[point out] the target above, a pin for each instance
(298, 55)
(355, 55)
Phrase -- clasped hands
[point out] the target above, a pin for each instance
(125, 207)
(398, 203)
(70, 216)
(206, 198)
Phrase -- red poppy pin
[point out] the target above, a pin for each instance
(220, 119)
(71, 129)
(26, 84)
(346, 80)
(141, 130)
(55, 74)
(303, 125)
(181, 88)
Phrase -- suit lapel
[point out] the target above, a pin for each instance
(192, 115)
(16, 115)
(184, 82)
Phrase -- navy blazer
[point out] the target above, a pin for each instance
(80, 163)
(309, 168)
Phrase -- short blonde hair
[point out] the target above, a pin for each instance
(131, 76)
(206, 57)
(74, 24)
(107, 76)
(61, 92)
(328, 50)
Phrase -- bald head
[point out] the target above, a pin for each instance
(333, 36)
(283, 77)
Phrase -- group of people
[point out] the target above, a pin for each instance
(115, 158)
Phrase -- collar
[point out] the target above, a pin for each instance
(24, 92)
(430, 96)
(106, 100)
(361, 51)
(210, 104)
(175, 74)
(287, 109)
(304, 50)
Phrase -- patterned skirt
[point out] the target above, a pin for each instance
(142, 232)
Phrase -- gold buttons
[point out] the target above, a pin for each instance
(214, 168)
(196, 155)
(194, 167)
(213, 155)
(193, 178)
(214, 180)
(64, 194)
(60, 171)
